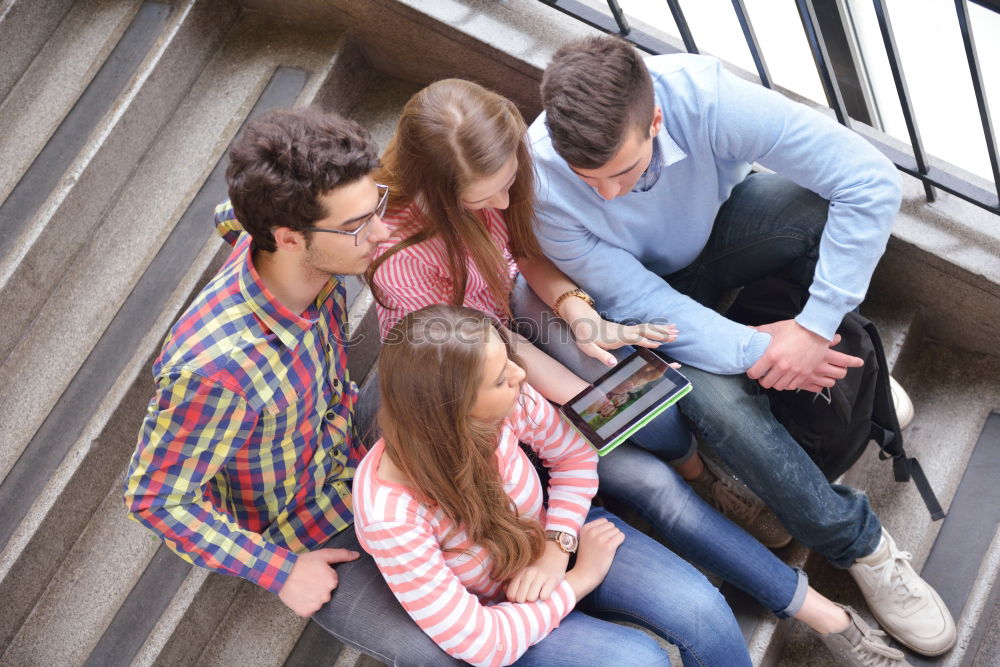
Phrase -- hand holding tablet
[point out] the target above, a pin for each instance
(625, 399)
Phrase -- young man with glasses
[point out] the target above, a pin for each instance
(645, 181)
(249, 446)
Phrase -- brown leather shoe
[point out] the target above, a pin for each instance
(739, 505)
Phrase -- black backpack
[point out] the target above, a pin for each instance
(835, 426)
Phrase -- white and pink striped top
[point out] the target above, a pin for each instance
(449, 594)
(418, 276)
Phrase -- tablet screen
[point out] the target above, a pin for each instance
(624, 395)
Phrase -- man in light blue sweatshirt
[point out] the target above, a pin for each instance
(648, 202)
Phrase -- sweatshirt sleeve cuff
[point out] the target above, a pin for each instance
(271, 567)
(820, 318)
(755, 348)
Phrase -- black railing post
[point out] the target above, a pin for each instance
(822, 58)
(914, 162)
(682, 26)
(962, 9)
(752, 43)
(616, 11)
(889, 40)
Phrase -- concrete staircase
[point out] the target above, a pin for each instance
(115, 116)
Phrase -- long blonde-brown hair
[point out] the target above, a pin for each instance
(430, 368)
(450, 134)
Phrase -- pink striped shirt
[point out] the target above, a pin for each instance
(449, 593)
(418, 276)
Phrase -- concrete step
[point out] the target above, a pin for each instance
(67, 45)
(196, 591)
(74, 229)
(161, 187)
(83, 596)
(953, 392)
(53, 352)
(140, 221)
(25, 27)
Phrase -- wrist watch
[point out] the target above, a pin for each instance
(566, 541)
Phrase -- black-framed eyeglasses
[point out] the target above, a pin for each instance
(383, 202)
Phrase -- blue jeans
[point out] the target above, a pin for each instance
(643, 481)
(649, 586)
(768, 226)
(364, 612)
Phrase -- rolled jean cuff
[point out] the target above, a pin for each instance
(799, 598)
(686, 456)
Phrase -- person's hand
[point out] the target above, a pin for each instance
(599, 540)
(797, 358)
(312, 580)
(595, 335)
(538, 580)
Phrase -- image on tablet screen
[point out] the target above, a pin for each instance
(607, 412)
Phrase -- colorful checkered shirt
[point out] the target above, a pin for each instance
(245, 456)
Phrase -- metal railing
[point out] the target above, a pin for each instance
(913, 162)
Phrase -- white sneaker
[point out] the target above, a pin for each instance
(905, 605)
(904, 406)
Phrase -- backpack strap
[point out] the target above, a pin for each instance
(889, 437)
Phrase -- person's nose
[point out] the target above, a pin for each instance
(378, 231)
(518, 375)
(501, 200)
(608, 189)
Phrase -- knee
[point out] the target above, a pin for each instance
(642, 649)
(655, 491)
(709, 607)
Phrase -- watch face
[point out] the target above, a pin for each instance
(567, 542)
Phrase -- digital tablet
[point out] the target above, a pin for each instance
(625, 399)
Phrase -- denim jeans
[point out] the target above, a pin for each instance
(643, 481)
(649, 586)
(768, 226)
(363, 612)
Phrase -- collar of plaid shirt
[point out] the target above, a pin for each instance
(289, 327)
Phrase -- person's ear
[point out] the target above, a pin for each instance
(286, 238)
(654, 128)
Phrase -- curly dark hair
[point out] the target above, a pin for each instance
(284, 160)
(593, 91)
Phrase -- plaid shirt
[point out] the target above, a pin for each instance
(245, 455)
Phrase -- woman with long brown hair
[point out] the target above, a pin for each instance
(461, 215)
(453, 512)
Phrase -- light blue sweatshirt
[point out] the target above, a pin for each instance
(715, 126)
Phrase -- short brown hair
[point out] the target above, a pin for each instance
(595, 90)
(284, 160)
